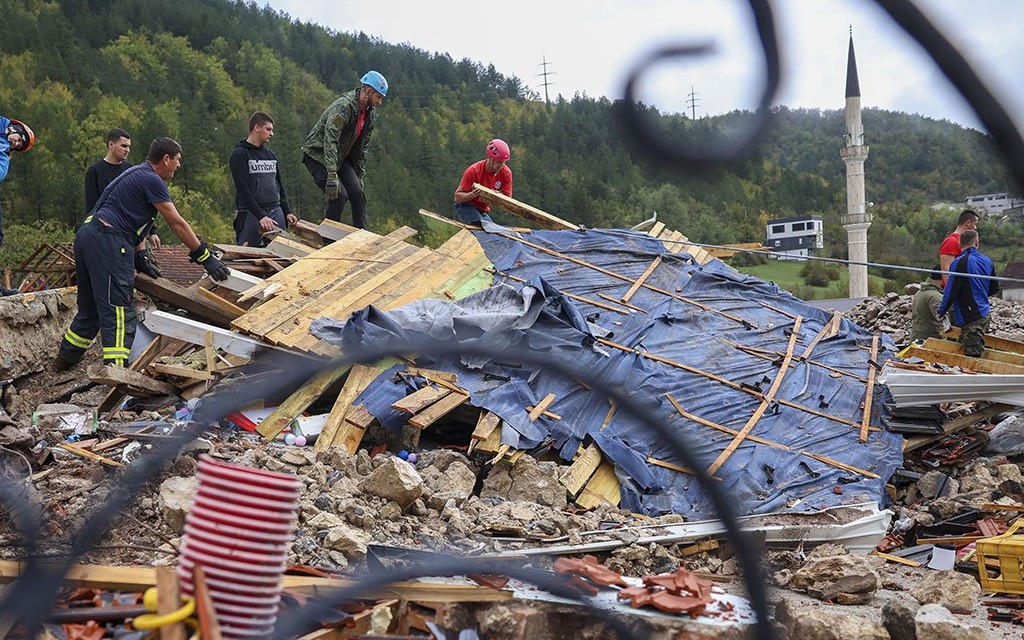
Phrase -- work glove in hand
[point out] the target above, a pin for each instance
(146, 263)
(333, 185)
(210, 262)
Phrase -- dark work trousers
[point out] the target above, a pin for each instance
(105, 270)
(248, 232)
(351, 191)
(972, 337)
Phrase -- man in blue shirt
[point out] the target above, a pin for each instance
(106, 249)
(967, 296)
(17, 136)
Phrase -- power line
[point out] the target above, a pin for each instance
(692, 102)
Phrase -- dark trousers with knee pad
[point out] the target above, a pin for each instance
(105, 271)
(351, 191)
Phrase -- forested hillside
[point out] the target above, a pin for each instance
(195, 69)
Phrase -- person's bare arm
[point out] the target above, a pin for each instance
(179, 226)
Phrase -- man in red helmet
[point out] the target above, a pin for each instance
(492, 173)
(17, 137)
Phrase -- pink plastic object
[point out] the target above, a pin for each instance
(239, 530)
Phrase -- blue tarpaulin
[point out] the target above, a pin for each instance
(702, 345)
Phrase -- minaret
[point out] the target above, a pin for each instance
(857, 219)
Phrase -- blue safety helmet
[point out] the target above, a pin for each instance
(376, 81)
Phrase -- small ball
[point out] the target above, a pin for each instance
(413, 458)
(300, 441)
(289, 438)
(403, 454)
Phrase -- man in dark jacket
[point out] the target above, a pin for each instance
(927, 321)
(968, 296)
(335, 149)
(103, 171)
(260, 203)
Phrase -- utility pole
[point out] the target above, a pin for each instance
(544, 74)
(692, 102)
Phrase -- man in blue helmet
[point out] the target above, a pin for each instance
(335, 149)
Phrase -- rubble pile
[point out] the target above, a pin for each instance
(892, 315)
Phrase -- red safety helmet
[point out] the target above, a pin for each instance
(26, 133)
(497, 149)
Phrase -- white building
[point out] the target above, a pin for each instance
(993, 203)
(795, 237)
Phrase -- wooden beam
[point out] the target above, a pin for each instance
(168, 600)
(421, 398)
(174, 294)
(238, 281)
(639, 282)
(402, 233)
(284, 248)
(602, 488)
(174, 326)
(438, 410)
(948, 346)
(991, 342)
(85, 453)
(226, 306)
(180, 372)
(140, 384)
(541, 407)
(869, 390)
(581, 469)
(299, 401)
(766, 402)
(542, 219)
(335, 431)
(980, 365)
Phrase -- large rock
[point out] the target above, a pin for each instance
(808, 622)
(396, 480)
(898, 618)
(176, 496)
(527, 480)
(821, 572)
(456, 482)
(951, 589)
(935, 622)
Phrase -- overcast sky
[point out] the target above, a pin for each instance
(590, 46)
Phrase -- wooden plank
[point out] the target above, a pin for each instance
(332, 230)
(766, 402)
(84, 453)
(209, 627)
(542, 219)
(227, 307)
(438, 410)
(421, 398)
(581, 469)
(948, 346)
(139, 383)
(991, 342)
(639, 282)
(541, 407)
(115, 578)
(308, 280)
(602, 488)
(402, 233)
(306, 232)
(152, 351)
(174, 326)
(869, 390)
(180, 372)
(168, 600)
(284, 248)
(954, 360)
(239, 281)
(334, 431)
(299, 401)
(357, 419)
(656, 229)
(485, 425)
(183, 298)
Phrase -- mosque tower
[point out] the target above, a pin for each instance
(857, 219)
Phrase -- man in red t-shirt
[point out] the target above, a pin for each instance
(492, 173)
(951, 245)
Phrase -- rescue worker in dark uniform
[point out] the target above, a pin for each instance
(260, 203)
(967, 296)
(110, 243)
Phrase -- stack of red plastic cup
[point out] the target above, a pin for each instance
(238, 530)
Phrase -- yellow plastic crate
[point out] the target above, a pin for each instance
(1007, 550)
